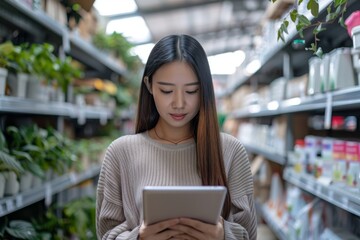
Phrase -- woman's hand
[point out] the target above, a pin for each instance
(193, 229)
(159, 231)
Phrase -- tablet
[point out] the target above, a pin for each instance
(203, 203)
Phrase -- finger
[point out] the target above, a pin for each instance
(189, 231)
(167, 234)
(201, 226)
(148, 230)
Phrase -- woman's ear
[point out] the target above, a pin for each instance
(148, 84)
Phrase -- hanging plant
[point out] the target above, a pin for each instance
(334, 12)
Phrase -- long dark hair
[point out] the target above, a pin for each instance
(205, 125)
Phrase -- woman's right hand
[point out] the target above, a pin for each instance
(159, 231)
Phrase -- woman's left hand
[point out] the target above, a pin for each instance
(194, 229)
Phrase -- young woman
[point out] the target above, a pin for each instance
(177, 142)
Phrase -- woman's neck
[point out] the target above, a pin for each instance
(174, 135)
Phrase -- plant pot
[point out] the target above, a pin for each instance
(36, 90)
(18, 83)
(26, 180)
(37, 181)
(2, 184)
(3, 75)
(12, 185)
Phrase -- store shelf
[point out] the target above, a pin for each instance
(338, 100)
(272, 57)
(21, 200)
(86, 53)
(29, 106)
(273, 222)
(36, 22)
(344, 197)
(267, 153)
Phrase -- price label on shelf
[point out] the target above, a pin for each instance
(73, 178)
(19, 200)
(10, 205)
(345, 201)
(318, 189)
(48, 194)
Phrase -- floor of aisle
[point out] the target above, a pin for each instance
(264, 233)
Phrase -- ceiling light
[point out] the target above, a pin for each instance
(133, 28)
(110, 7)
(226, 63)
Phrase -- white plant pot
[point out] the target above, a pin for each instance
(37, 182)
(26, 180)
(18, 84)
(12, 185)
(2, 184)
(3, 75)
(36, 90)
(341, 71)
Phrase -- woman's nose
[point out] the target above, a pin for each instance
(179, 100)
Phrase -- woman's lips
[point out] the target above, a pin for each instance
(178, 117)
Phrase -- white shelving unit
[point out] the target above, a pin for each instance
(27, 106)
(15, 15)
(46, 191)
(338, 194)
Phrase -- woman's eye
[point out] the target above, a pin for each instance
(192, 92)
(165, 92)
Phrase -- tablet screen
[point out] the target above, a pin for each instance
(203, 203)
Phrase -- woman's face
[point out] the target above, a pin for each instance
(176, 92)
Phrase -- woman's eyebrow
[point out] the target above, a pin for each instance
(171, 84)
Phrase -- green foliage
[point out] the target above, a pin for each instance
(8, 162)
(20, 229)
(335, 10)
(117, 44)
(39, 150)
(6, 49)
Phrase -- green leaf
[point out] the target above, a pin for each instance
(318, 29)
(339, 2)
(313, 6)
(303, 20)
(280, 35)
(8, 162)
(284, 26)
(21, 229)
(300, 1)
(319, 52)
(342, 22)
(293, 15)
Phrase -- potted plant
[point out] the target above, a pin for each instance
(20, 66)
(5, 49)
(24, 147)
(64, 74)
(9, 167)
(43, 61)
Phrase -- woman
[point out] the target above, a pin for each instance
(177, 142)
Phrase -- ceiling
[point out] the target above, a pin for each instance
(220, 25)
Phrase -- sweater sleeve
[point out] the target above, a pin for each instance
(242, 223)
(110, 219)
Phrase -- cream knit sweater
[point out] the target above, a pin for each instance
(134, 161)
